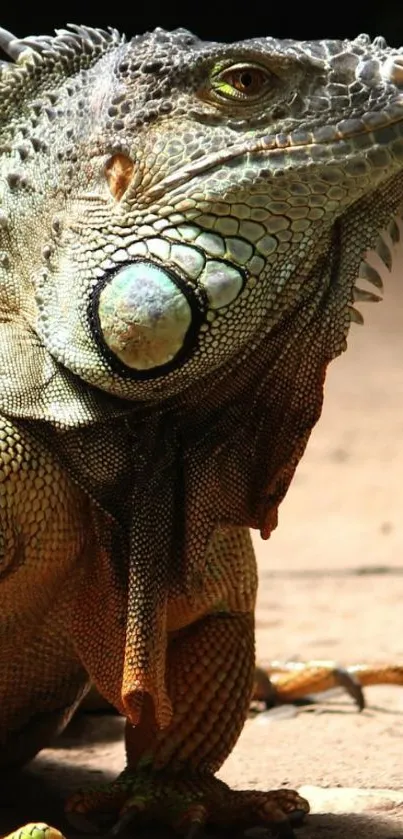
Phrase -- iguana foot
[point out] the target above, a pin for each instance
(35, 830)
(185, 804)
(295, 680)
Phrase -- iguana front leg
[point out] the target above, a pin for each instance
(170, 773)
(209, 676)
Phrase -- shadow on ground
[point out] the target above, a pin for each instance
(37, 793)
(36, 799)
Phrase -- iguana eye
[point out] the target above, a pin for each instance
(242, 82)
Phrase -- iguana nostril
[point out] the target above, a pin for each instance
(119, 171)
(144, 316)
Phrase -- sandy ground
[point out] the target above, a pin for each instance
(331, 586)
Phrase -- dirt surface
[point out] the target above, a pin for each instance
(331, 586)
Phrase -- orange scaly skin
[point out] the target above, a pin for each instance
(209, 693)
(182, 225)
(170, 772)
(285, 682)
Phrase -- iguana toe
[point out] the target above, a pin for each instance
(185, 804)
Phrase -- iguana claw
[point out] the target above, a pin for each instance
(186, 804)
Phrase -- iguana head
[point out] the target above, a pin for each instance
(175, 201)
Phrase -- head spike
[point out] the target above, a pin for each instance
(10, 44)
(369, 273)
(355, 316)
(360, 295)
(76, 40)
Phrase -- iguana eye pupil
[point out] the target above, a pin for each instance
(246, 79)
(250, 81)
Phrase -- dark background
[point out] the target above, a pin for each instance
(219, 20)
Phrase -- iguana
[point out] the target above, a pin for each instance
(182, 226)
